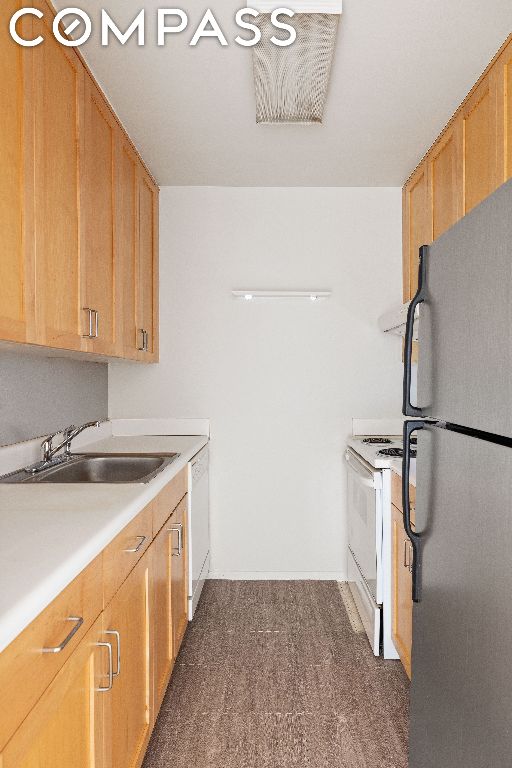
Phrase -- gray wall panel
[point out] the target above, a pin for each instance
(39, 395)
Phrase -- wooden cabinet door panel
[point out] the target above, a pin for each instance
(128, 705)
(163, 654)
(445, 172)
(16, 296)
(417, 226)
(98, 219)
(402, 590)
(127, 232)
(147, 294)
(504, 107)
(56, 108)
(65, 728)
(179, 573)
(480, 125)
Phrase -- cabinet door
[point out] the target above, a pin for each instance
(55, 101)
(480, 126)
(98, 269)
(65, 728)
(445, 179)
(16, 297)
(127, 232)
(417, 226)
(402, 590)
(147, 288)
(179, 572)
(504, 85)
(163, 655)
(126, 623)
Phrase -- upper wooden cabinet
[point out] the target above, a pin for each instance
(55, 107)
(445, 170)
(127, 233)
(79, 267)
(417, 225)
(98, 252)
(503, 69)
(480, 125)
(14, 266)
(472, 157)
(147, 296)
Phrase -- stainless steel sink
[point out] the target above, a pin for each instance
(98, 468)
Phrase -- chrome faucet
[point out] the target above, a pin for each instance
(49, 450)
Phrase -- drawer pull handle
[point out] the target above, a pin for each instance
(104, 689)
(179, 528)
(58, 648)
(142, 539)
(118, 638)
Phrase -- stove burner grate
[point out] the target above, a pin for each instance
(377, 440)
(396, 452)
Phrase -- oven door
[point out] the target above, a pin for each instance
(365, 521)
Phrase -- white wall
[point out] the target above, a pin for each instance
(280, 381)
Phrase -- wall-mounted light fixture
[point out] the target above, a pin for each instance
(250, 295)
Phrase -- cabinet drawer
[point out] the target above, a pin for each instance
(396, 493)
(25, 669)
(122, 554)
(169, 498)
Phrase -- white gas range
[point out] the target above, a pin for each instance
(370, 460)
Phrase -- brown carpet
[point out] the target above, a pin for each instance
(271, 675)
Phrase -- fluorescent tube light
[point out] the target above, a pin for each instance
(249, 295)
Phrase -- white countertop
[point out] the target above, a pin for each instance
(50, 533)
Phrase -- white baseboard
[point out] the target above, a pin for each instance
(279, 575)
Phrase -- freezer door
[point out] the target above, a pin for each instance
(465, 328)
(461, 695)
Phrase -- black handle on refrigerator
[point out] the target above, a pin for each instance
(409, 428)
(408, 409)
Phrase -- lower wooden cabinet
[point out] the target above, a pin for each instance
(401, 626)
(127, 626)
(98, 707)
(179, 586)
(163, 651)
(65, 728)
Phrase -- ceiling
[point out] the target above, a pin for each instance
(401, 69)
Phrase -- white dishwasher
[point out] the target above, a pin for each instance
(198, 526)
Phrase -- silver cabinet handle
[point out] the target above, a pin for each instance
(89, 335)
(108, 687)
(179, 528)
(94, 325)
(142, 539)
(144, 344)
(58, 648)
(118, 638)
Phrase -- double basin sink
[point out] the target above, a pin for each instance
(97, 468)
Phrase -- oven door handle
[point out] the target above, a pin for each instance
(365, 476)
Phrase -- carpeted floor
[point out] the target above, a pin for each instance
(272, 675)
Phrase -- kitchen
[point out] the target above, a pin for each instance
(162, 287)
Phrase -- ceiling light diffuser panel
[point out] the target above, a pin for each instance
(291, 81)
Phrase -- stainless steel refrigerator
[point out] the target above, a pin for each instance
(461, 691)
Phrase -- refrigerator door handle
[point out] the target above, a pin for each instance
(408, 409)
(414, 536)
